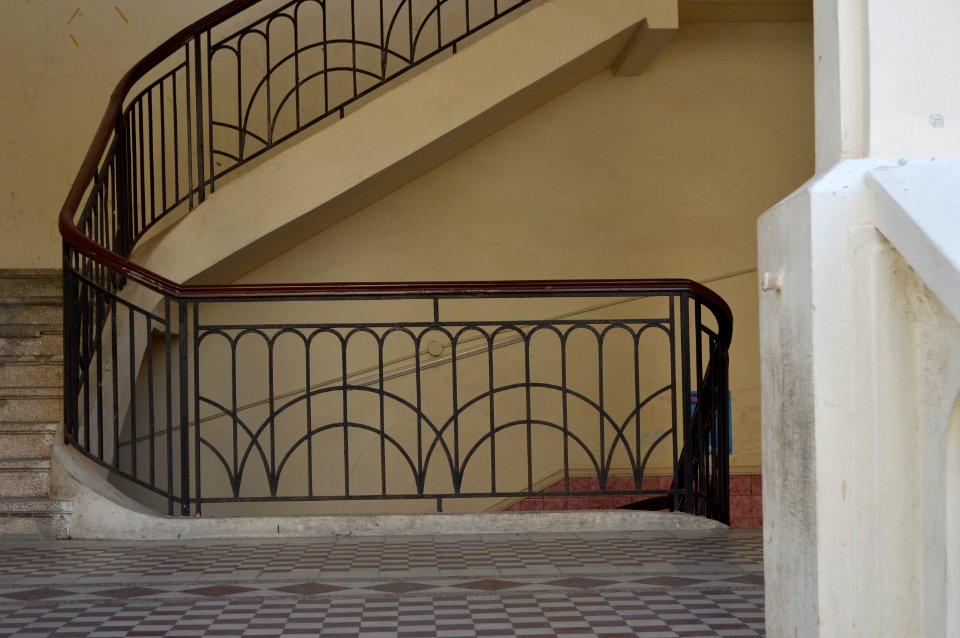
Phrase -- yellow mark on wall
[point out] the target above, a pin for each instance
(75, 43)
(117, 8)
(75, 13)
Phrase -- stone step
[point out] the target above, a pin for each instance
(30, 329)
(24, 477)
(27, 440)
(30, 375)
(35, 393)
(34, 518)
(30, 283)
(20, 314)
(42, 346)
(30, 409)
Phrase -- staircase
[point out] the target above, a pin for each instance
(156, 222)
(31, 388)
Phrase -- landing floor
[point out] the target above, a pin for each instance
(651, 584)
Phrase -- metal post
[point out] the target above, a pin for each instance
(183, 373)
(688, 442)
(198, 83)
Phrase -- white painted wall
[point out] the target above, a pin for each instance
(861, 365)
(887, 81)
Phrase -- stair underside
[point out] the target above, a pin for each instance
(405, 132)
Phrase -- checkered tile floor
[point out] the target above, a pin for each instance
(704, 583)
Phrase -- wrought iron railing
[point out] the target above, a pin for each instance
(217, 394)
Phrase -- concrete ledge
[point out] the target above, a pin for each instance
(915, 207)
(101, 512)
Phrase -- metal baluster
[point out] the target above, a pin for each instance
(151, 408)
(184, 404)
(673, 402)
(196, 407)
(688, 436)
(198, 89)
(133, 390)
(168, 357)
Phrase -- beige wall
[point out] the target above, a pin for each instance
(54, 92)
(657, 176)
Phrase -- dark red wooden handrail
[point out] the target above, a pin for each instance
(88, 169)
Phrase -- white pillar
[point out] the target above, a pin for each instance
(860, 358)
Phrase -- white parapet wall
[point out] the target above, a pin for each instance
(860, 350)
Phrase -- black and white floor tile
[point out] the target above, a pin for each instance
(663, 584)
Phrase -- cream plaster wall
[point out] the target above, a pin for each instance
(662, 175)
(61, 60)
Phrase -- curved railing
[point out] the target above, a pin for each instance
(209, 394)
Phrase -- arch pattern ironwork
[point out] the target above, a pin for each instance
(138, 363)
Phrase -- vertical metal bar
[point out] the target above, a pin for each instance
(123, 174)
(383, 422)
(439, 27)
(688, 437)
(127, 214)
(309, 407)
(326, 64)
(100, 327)
(724, 356)
(526, 372)
(421, 475)
(186, 107)
(198, 89)
(213, 166)
(383, 47)
(566, 412)
(151, 413)
(176, 140)
(268, 80)
(153, 158)
(638, 455)
(169, 391)
(698, 339)
(86, 361)
(233, 413)
(346, 430)
(353, 43)
(410, 28)
(141, 185)
(673, 401)
(271, 396)
(131, 318)
(458, 475)
(196, 407)
(163, 150)
(241, 139)
(296, 63)
(184, 404)
(493, 418)
(604, 464)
